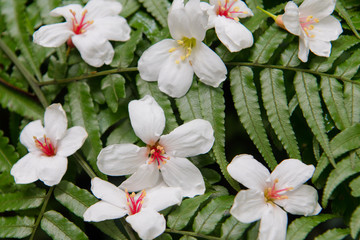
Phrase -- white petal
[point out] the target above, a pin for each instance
(273, 224)
(73, 140)
(179, 23)
(291, 173)
(190, 139)
(328, 29)
(121, 159)
(291, 18)
(320, 48)
(302, 201)
(207, 65)
(24, 170)
(198, 19)
(147, 223)
(55, 122)
(175, 78)
(33, 129)
(112, 28)
(317, 210)
(249, 172)
(101, 211)
(146, 176)
(94, 49)
(233, 34)
(102, 8)
(50, 170)
(65, 11)
(147, 119)
(244, 10)
(249, 206)
(152, 60)
(317, 8)
(303, 49)
(180, 172)
(159, 198)
(53, 35)
(108, 192)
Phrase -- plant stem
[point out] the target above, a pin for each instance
(84, 165)
(267, 13)
(192, 234)
(42, 211)
(91, 75)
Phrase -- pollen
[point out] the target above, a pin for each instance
(45, 145)
(134, 204)
(79, 26)
(272, 193)
(308, 24)
(228, 10)
(185, 45)
(157, 154)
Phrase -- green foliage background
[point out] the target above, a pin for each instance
(272, 106)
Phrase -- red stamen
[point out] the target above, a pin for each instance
(135, 206)
(226, 10)
(80, 27)
(46, 146)
(157, 153)
(272, 194)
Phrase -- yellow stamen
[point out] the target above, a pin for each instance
(308, 19)
(172, 50)
(236, 19)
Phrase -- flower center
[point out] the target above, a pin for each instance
(45, 146)
(156, 154)
(135, 204)
(272, 193)
(307, 25)
(79, 27)
(187, 44)
(227, 10)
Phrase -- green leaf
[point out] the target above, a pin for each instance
(8, 156)
(265, 46)
(275, 103)
(83, 114)
(334, 234)
(124, 133)
(186, 237)
(16, 227)
(355, 187)
(247, 106)
(355, 222)
(59, 227)
(350, 66)
(113, 87)
(307, 91)
(189, 105)
(129, 7)
(301, 227)
(180, 217)
(232, 229)
(158, 9)
(289, 57)
(45, 6)
(30, 198)
(207, 219)
(108, 118)
(343, 13)
(352, 101)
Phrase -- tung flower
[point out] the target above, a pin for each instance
(142, 208)
(224, 16)
(89, 29)
(270, 194)
(172, 62)
(164, 157)
(48, 148)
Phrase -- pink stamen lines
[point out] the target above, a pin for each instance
(46, 146)
(135, 205)
(273, 194)
(157, 155)
(80, 27)
(227, 9)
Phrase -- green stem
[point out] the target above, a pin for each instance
(128, 229)
(293, 69)
(193, 234)
(84, 165)
(42, 211)
(28, 76)
(91, 75)
(267, 13)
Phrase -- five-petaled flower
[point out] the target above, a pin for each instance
(164, 157)
(173, 62)
(48, 148)
(89, 29)
(142, 208)
(224, 16)
(314, 26)
(269, 194)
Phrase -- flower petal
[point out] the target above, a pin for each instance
(53, 35)
(291, 173)
(146, 176)
(24, 170)
(152, 60)
(249, 172)
(190, 139)
(179, 23)
(273, 224)
(198, 19)
(180, 172)
(291, 18)
(317, 8)
(233, 34)
(73, 140)
(33, 129)
(121, 159)
(65, 11)
(303, 48)
(147, 223)
(94, 49)
(320, 48)
(102, 8)
(302, 201)
(147, 119)
(108, 192)
(112, 28)
(328, 29)
(243, 8)
(159, 198)
(101, 211)
(249, 206)
(55, 122)
(207, 65)
(50, 170)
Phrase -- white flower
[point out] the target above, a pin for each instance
(224, 16)
(48, 148)
(89, 29)
(314, 25)
(270, 194)
(164, 157)
(142, 208)
(173, 62)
